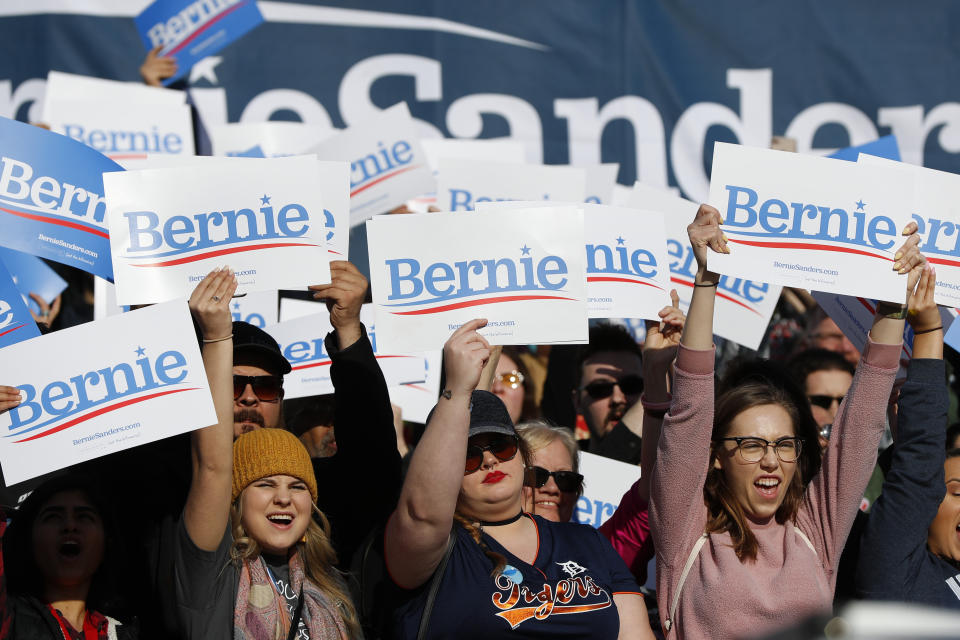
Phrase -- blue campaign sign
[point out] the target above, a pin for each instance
(32, 275)
(190, 30)
(51, 198)
(885, 147)
(16, 323)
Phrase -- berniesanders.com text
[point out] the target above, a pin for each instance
(490, 323)
(105, 434)
(803, 267)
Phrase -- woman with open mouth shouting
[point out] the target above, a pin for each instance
(471, 563)
(253, 559)
(760, 548)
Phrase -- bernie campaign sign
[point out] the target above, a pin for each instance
(51, 198)
(818, 223)
(16, 323)
(32, 275)
(462, 183)
(522, 270)
(744, 305)
(102, 387)
(171, 227)
(190, 30)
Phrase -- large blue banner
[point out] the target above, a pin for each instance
(650, 84)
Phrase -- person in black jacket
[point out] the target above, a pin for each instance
(58, 575)
(910, 550)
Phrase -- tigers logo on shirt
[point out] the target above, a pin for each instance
(518, 603)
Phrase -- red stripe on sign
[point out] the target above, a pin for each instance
(101, 411)
(19, 326)
(474, 303)
(613, 279)
(721, 294)
(62, 223)
(381, 179)
(197, 33)
(949, 263)
(222, 252)
(800, 245)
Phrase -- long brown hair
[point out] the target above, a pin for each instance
(473, 527)
(316, 553)
(725, 512)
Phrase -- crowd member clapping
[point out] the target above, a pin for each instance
(59, 573)
(498, 566)
(251, 559)
(763, 550)
(552, 482)
(910, 550)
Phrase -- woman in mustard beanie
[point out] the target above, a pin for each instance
(253, 559)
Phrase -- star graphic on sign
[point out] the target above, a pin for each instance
(264, 199)
(205, 69)
(236, 305)
(525, 250)
(860, 205)
(140, 350)
(620, 240)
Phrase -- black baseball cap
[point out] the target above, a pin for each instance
(488, 414)
(250, 339)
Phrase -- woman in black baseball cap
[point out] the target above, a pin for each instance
(471, 562)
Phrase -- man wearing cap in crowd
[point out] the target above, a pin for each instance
(258, 370)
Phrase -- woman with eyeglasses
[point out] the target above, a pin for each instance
(552, 482)
(473, 564)
(759, 550)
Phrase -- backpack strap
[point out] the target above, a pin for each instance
(434, 587)
(668, 623)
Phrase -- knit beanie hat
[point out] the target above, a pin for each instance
(270, 452)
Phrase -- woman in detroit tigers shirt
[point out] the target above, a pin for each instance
(509, 574)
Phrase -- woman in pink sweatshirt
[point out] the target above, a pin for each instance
(747, 534)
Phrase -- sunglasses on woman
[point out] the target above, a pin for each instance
(503, 447)
(266, 388)
(567, 481)
(599, 389)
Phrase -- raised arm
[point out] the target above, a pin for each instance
(895, 539)
(208, 503)
(834, 495)
(418, 530)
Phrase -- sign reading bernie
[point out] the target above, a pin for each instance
(170, 227)
(521, 270)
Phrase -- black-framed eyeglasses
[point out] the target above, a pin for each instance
(630, 386)
(567, 481)
(753, 449)
(266, 388)
(512, 379)
(502, 446)
(825, 401)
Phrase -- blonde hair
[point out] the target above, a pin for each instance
(319, 560)
(540, 433)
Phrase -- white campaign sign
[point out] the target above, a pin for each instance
(522, 270)
(387, 164)
(124, 132)
(105, 299)
(417, 399)
(102, 387)
(69, 86)
(272, 138)
(804, 221)
(170, 227)
(743, 306)
(301, 341)
(258, 308)
(626, 252)
(601, 179)
(938, 220)
(604, 483)
(462, 183)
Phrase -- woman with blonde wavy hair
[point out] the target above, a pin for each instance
(253, 558)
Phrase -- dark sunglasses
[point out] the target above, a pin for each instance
(629, 385)
(504, 447)
(266, 388)
(824, 402)
(567, 481)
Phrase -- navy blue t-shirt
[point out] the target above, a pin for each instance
(566, 592)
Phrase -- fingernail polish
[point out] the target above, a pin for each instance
(898, 256)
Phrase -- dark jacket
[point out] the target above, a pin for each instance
(895, 563)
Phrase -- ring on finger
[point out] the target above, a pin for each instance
(216, 298)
